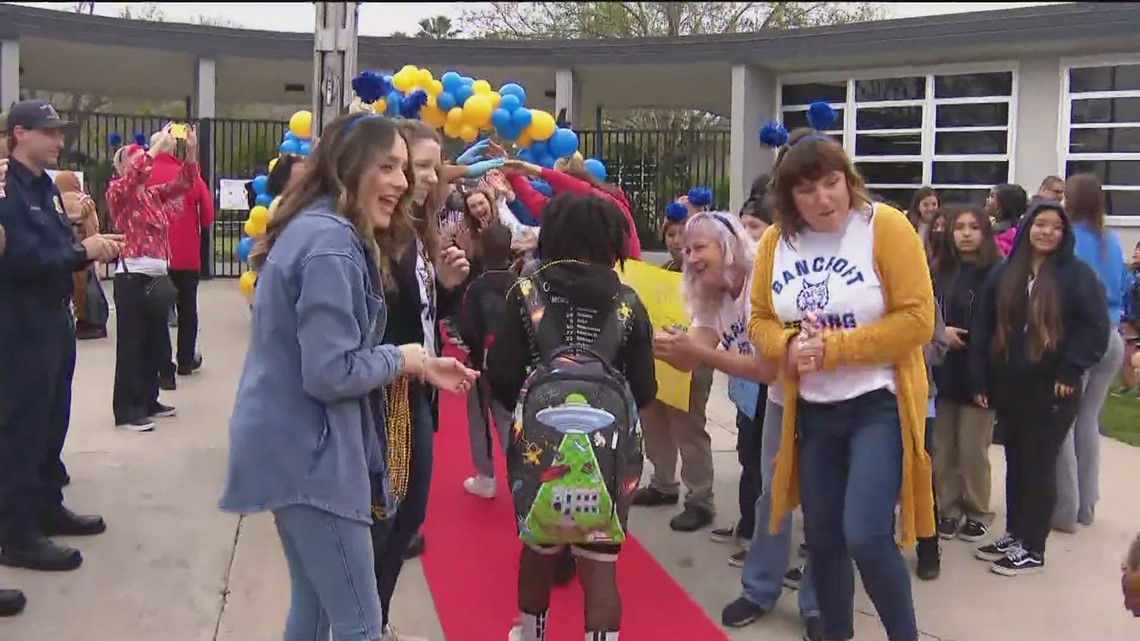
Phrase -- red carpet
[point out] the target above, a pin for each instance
(471, 562)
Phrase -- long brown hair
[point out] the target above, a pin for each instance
(576, 167)
(947, 262)
(809, 160)
(1084, 201)
(914, 215)
(348, 148)
(425, 218)
(1039, 311)
(471, 222)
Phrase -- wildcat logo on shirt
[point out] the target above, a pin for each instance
(815, 278)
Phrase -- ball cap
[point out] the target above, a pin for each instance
(35, 114)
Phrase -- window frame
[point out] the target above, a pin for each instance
(929, 104)
(1065, 128)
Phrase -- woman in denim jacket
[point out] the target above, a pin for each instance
(303, 435)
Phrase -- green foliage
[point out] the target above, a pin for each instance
(437, 28)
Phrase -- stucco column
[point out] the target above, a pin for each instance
(9, 73)
(568, 96)
(205, 89)
(753, 104)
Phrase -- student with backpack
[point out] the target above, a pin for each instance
(480, 319)
(577, 381)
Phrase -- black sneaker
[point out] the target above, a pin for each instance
(997, 549)
(1018, 561)
(813, 629)
(973, 530)
(652, 497)
(929, 559)
(167, 383)
(731, 534)
(793, 577)
(737, 558)
(137, 425)
(740, 613)
(162, 411)
(12, 602)
(691, 519)
(415, 547)
(949, 528)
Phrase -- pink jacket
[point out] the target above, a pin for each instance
(1004, 241)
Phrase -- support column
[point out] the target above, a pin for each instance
(334, 61)
(753, 104)
(205, 89)
(568, 96)
(204, 109)
(9, 74)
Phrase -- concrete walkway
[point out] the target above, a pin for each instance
(173, 567)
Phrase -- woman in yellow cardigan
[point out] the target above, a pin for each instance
(841, 297)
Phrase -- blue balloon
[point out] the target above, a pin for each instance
(289, 135)
(451, 81)
(527, 155)
(445, 101)
(563, 143)
(261, 184)
(305, 148)
(243, 248)
(264, 200)
(289, 147)
(596, 167)
(539, 148)
(501, 118)
(462, 94)
(542, 187)
(513, 89)
(547, 161)
(510, 103)
(521, 117)
(468, 80)
(510, 132)
(394, 96)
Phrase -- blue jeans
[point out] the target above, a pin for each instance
(390, 538)
(768, 556)
(330, 576)
(850, 472)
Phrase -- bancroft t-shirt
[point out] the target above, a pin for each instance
(730, 321)
(833, 275)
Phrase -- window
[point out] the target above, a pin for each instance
(948, 130)
(1100, 130)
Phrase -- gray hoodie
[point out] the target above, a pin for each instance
(935, 351)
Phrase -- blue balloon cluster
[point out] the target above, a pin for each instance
(512, 115)
(261, 188)
(291, 144)
(244, 246)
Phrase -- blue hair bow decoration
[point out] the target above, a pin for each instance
(675, 212)
(412, 103)
(140, 140)
(115, 140)
(773, 135)
(370, 86)
(700, 196)
(820, 115)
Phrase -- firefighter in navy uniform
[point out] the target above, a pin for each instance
(37, 341)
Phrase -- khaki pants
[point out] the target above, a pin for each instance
(962, 435)
(669, 432)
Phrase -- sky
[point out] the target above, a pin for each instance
(384, 18)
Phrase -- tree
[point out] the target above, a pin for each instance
(437, 28)
(149, 11)
(217, 21)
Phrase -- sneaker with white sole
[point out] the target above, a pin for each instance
(731, 535)
(137, 425)
(996, 550)
(163, 411)
(1018, 561)
(480, 486)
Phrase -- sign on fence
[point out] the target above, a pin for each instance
(232, 194)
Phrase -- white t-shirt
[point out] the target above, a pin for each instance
(833, 275)
(730, 321)
(425, 277)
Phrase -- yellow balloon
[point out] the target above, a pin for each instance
(246, 283)
(273, 206)
(467, 133)
(273, 163)
(423, 78)
(451, 129)
(433, 116)
(481, 87)
(259, 215)
(301, 124)
(402, 81)
(435, 88)
(250, 229)
(496, 98)
(542, 125)
(432, 101)
(477, 110)
(409, 70)
(380, 106)
(523, 140)
(455, 116)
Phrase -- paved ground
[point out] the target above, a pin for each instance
(173, 567)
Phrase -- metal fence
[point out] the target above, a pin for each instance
(652, 167)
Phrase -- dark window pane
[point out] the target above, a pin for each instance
(1122, 203)
(796, 119)
(970, 173)
(889, 118)
(901, 173)
(963, 196)
(1093, 141)
(992, 114)
(888, 145)
(970, 142)
(810, 92)
(1119, 78)
(1105, 110)
(1110, 172)
(890, 89)
(969, 85)
(897, 198)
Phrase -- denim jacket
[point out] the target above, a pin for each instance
(303, 430)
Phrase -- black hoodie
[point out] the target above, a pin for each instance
(585, 291)
(957, 297)
(1084, 319)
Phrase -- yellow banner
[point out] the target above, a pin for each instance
(660, 291)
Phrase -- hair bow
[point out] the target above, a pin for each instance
(700, 196)
(773, 135)
(675, 212)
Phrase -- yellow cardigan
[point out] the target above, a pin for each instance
(897, 338)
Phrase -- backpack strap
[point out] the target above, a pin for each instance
(532, 309)
(615, 327)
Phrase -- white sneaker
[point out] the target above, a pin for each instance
(480, 486)
(138, 425)
(516, 634)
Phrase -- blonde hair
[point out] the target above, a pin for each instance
(739, 251)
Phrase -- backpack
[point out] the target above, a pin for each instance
(575, 452)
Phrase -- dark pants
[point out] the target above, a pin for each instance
(850, 472)
(1035, 424)
(142, 349)
(390, 538)
(35, 419)
(749, 436)
(186, 281)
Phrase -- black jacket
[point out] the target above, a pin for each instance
(1084, 320)
(482, 311)
(958, 296)
(584, 292)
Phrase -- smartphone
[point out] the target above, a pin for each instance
(179, 130)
